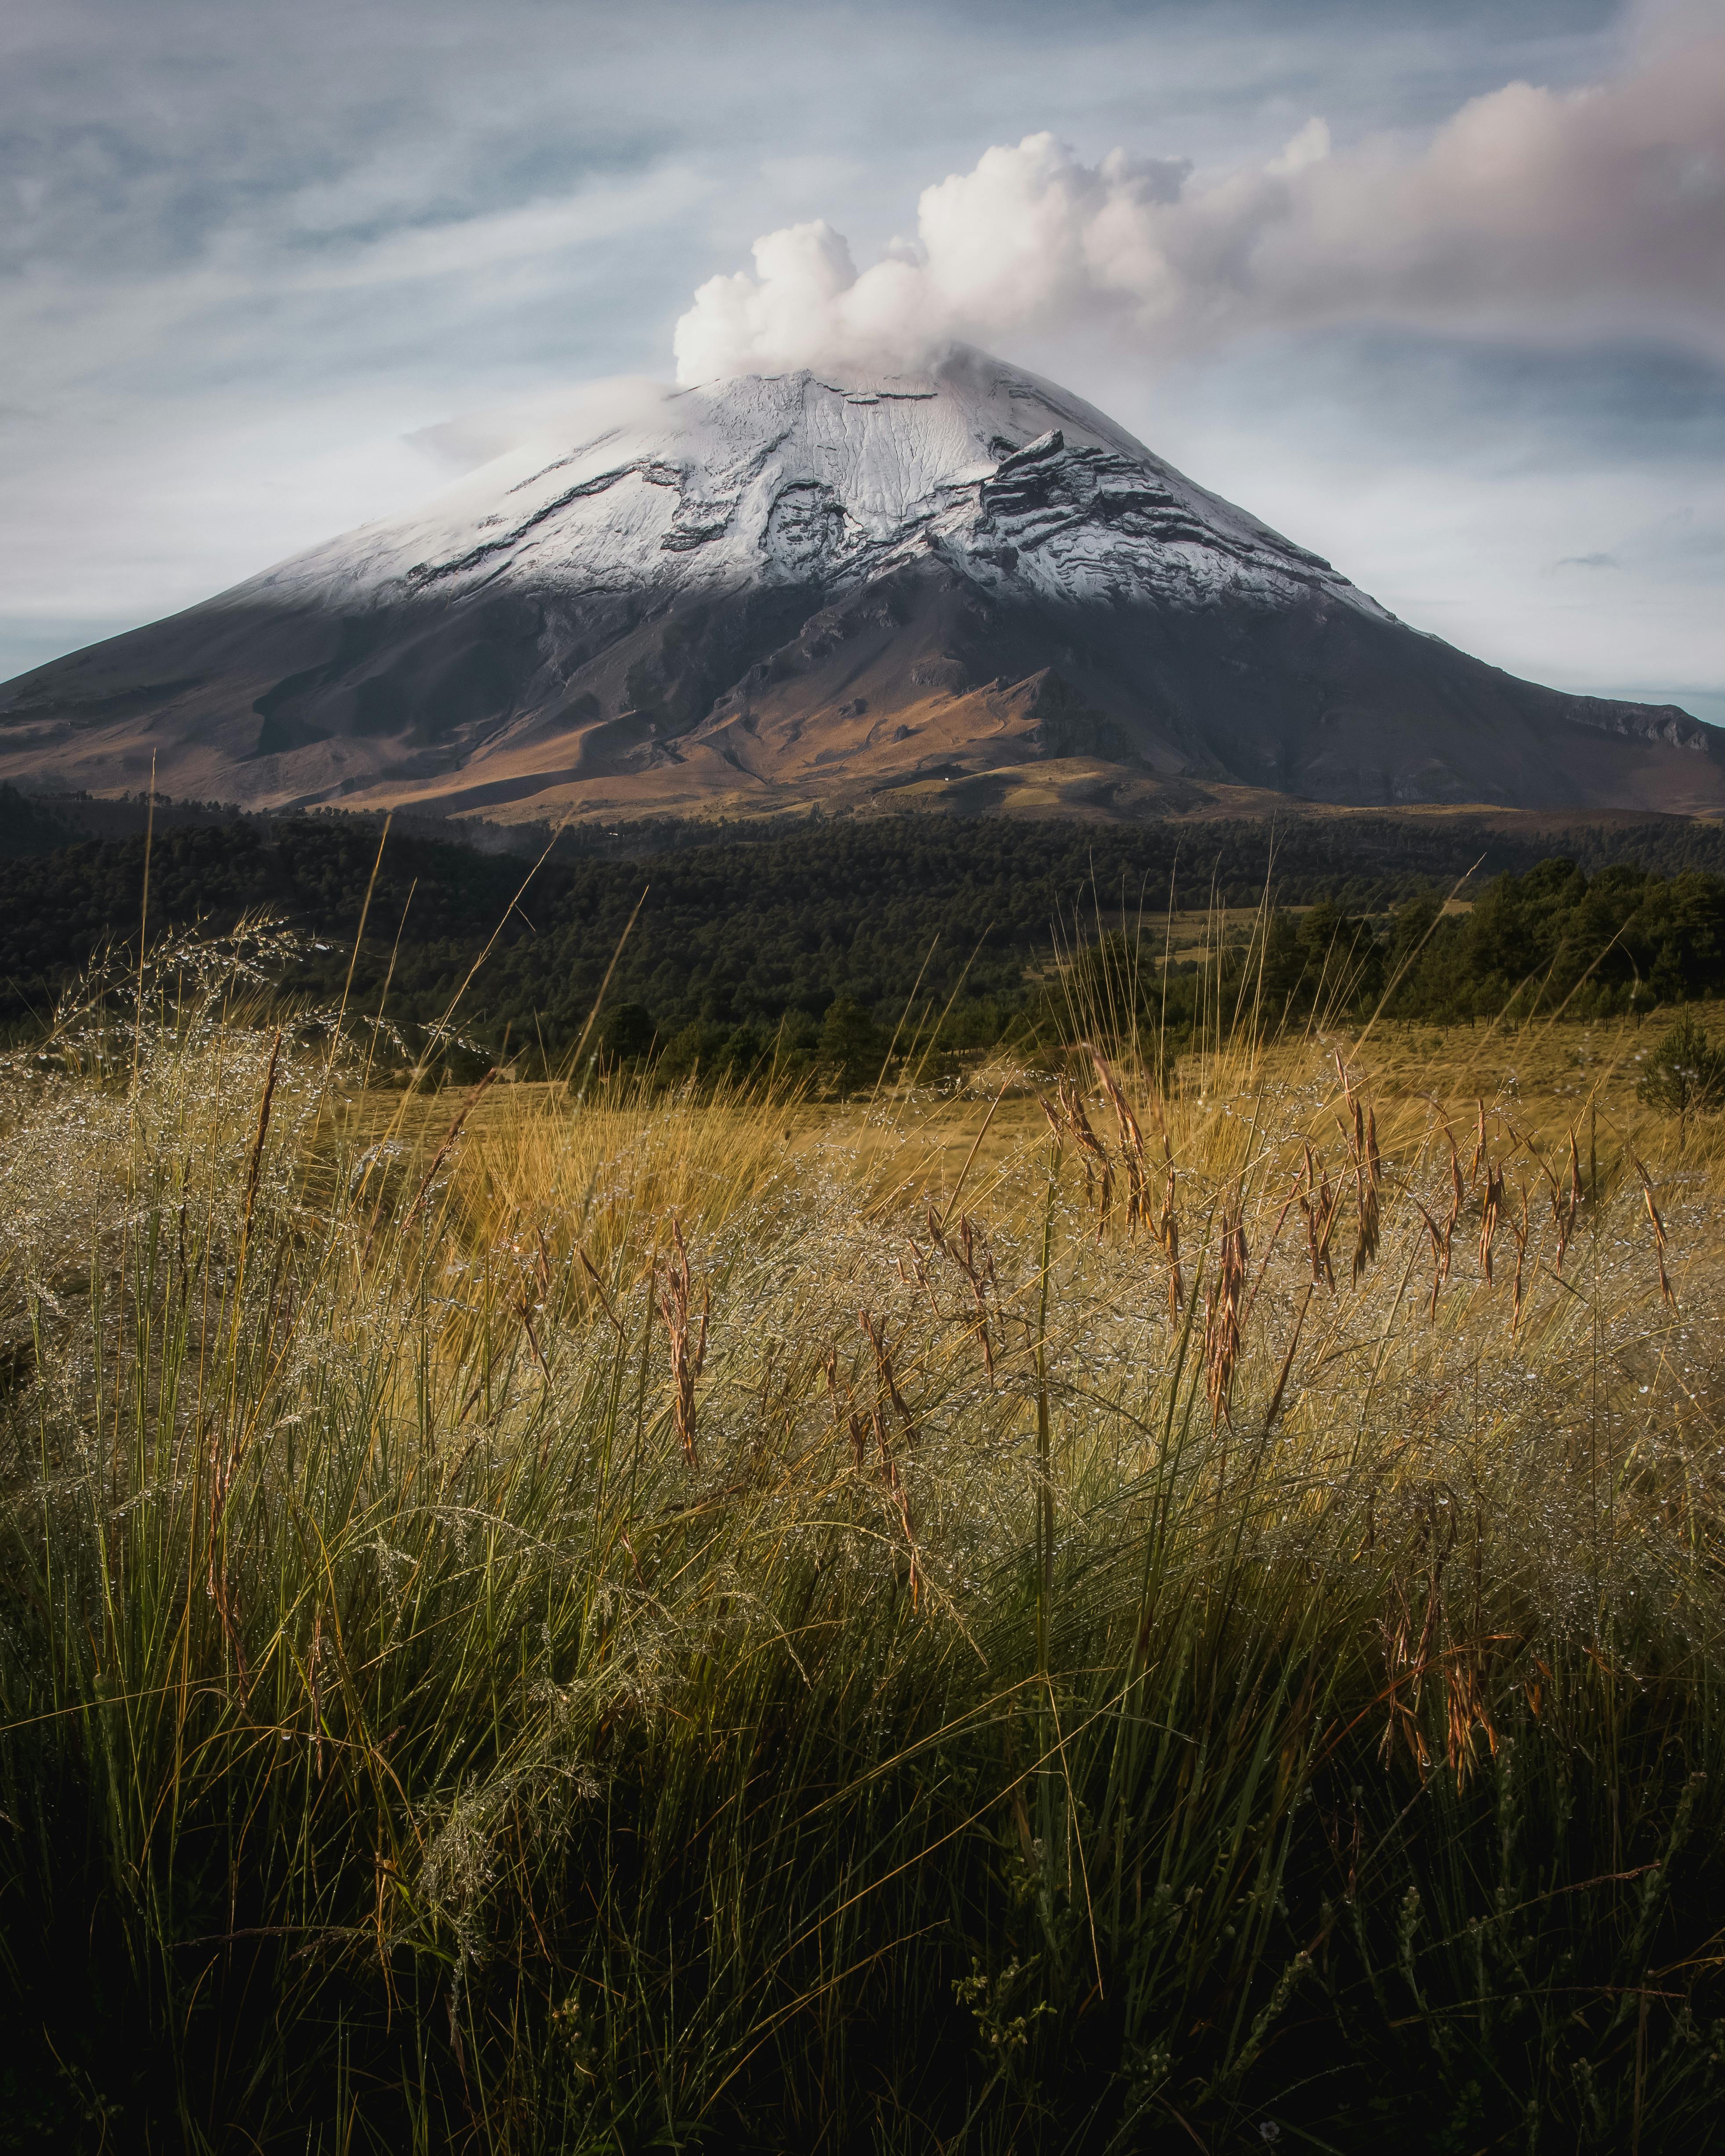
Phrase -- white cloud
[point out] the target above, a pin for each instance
(1532, 212)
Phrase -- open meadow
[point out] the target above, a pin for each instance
(862, 1078)
(1065, 1609)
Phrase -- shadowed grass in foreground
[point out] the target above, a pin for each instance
(554, 1626)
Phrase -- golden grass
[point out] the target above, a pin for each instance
(560, 1622)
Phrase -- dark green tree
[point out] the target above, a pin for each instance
(745, 1055)
(851, 1045)
(697, 1051)
(1686, 1073)
(627, 1033)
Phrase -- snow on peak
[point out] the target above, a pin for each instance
(825, 479)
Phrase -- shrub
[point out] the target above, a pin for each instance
(1686, 1073)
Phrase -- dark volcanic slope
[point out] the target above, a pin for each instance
(967, 588)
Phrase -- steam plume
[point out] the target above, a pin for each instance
(1533, 213)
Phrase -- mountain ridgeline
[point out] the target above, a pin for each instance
(965, 591)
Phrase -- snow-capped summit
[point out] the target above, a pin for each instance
(965, 585)
(786, 479)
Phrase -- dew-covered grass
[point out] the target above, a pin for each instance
(1187, 1614)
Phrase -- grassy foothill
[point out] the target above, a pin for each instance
(1147, 1601)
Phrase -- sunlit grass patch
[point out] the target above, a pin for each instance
(537, 1621)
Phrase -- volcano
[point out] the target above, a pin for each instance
(963, 588)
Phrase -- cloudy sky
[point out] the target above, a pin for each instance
(1435, 287)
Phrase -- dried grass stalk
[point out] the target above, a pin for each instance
(1491, 1207)
(1098, 1168)
(1665, 1285)
(965, 1248)
(688, 1348)
(1319, 1207)
(1131, 1145)
(1222, 1314)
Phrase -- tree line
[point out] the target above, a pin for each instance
(1554, 940)
(813, 947)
